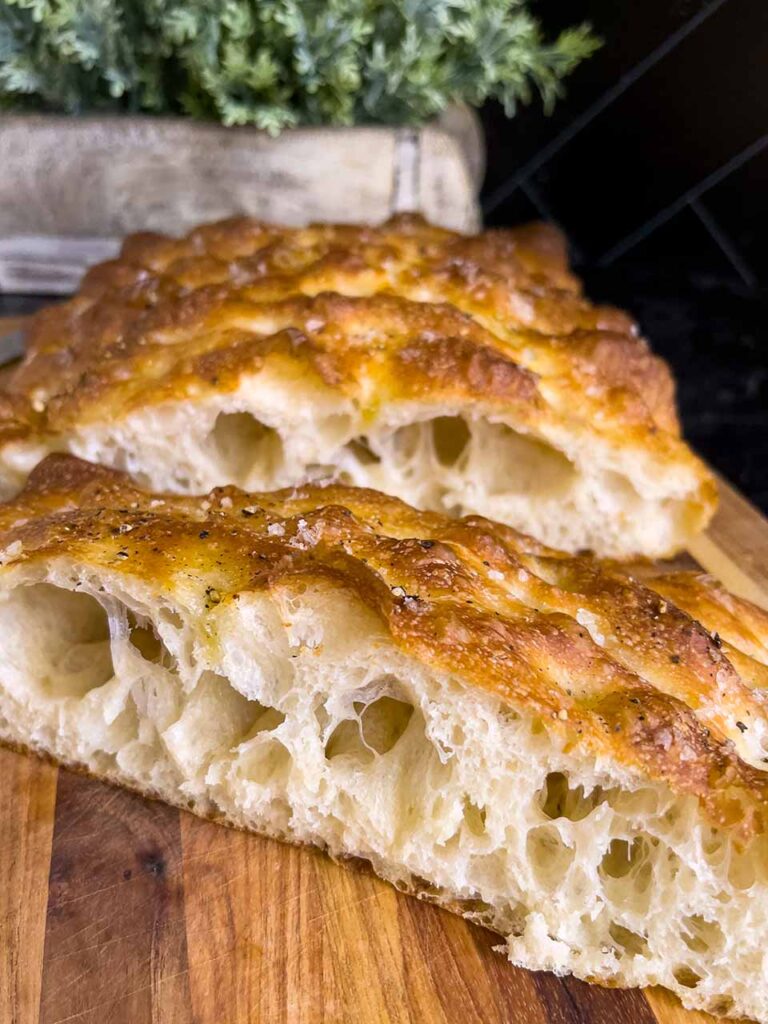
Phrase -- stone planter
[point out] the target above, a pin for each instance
(70, 180)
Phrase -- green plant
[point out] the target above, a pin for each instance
(278, 63)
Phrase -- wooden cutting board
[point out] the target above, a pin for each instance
(115, 910)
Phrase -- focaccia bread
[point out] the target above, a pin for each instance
(462, 374)
(537, 741)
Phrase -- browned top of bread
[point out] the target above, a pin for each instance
(614, 665)
(400, 311)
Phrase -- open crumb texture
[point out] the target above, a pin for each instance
(569, 754)
(461, 373)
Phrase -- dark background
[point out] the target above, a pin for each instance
(656, 166)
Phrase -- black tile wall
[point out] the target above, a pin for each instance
(682, 247)
(674, 127)
(631, 40)
(740, 205)
(656, 166)
(712, 330)
(672, 106)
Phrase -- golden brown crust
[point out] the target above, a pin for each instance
(419, 351)
(381, 313)
(605, 661)
(18, 418)
(740, 626)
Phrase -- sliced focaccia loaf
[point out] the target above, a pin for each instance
(461, 374)
(539, 742)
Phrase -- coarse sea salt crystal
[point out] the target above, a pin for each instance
(276, 529)
(590, 623)
(12, 551)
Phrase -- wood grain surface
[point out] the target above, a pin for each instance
(116, 910)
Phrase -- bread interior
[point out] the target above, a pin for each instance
(567, 490)
(292, 714)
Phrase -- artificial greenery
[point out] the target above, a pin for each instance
(278, 63)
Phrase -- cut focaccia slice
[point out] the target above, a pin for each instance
(537, 741)
(465, 375)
